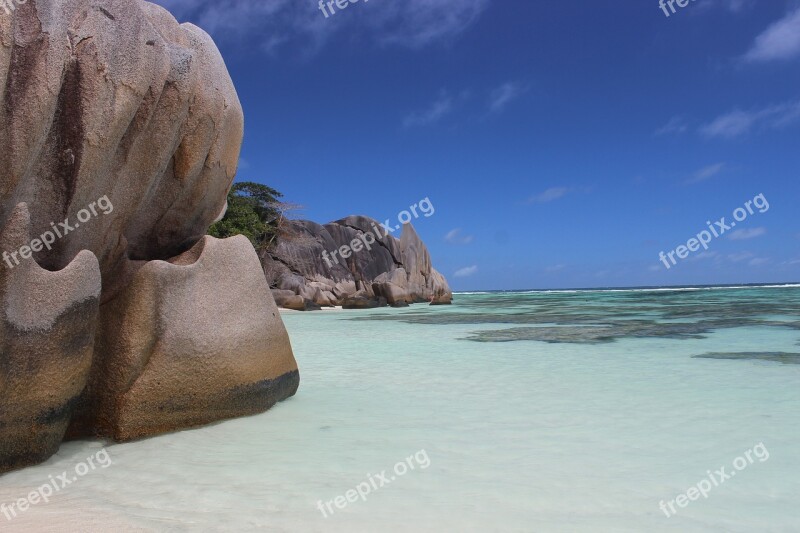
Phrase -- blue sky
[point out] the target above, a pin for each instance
(563, 143)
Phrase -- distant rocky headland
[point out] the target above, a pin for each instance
(375, 270)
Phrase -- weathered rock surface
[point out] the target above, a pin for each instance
(381, 266)
(168, 355)
(362, 301)
(47, 332)
(114, 99)
(290, 300)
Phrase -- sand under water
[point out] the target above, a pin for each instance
(539, 411)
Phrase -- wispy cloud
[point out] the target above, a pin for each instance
(274, 23)
(550, 195)
(675, 126)
(734, 6)
(780, 41)
(704, 256)
(758, 261)
(419, 23)
(441, 107)
(466, 272)
(739, 257)
(730, 125)
(555, 193)
(745, 234)
(456, 236)
(737, 5)
(705, 173)
(737, 123)
(504, 95)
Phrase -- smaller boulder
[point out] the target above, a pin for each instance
(363, 302)
(442, 299)
(311, 305)
(288, 300)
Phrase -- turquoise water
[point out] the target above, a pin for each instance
(541, 411)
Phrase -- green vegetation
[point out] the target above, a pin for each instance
(253, 211)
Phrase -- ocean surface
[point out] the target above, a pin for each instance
(576, 411)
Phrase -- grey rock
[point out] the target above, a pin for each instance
(363, 302)
(47, 330)
(313, 261)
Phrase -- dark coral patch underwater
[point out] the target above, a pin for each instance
(602, 317)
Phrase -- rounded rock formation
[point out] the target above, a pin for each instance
(121, 132)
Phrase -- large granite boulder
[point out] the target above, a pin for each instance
(381, 266)
(169, 355)
(47, 332)
(121, 132)
(113, 98)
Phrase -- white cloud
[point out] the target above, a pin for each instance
(555, 193)
(734, 6)
(550, 195)
(271, 24)
(437, 110)
(737, 5)
(781, 41)
(737, 123)
(739, 257)
(745, 234)
(466, 272)
(456, 237)
(675, 126)
(504, 95)
(706, 173)
(704, 256)
(418, 23)
(730, 125)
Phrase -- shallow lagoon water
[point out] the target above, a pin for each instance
(525, 430)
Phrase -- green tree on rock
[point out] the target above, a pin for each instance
(255, 211)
